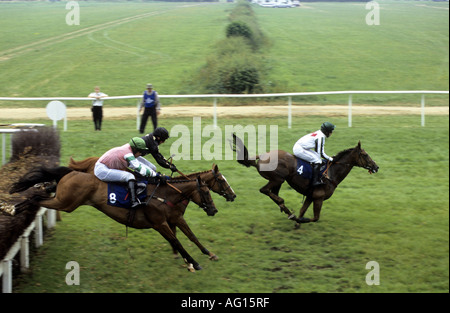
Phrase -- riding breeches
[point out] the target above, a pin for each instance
(107, 174)
(307, 155)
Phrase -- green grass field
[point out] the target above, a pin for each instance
(397, 217)
(318, 47)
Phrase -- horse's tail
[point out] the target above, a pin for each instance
(86, 165)
(39, 175)
(242, 152)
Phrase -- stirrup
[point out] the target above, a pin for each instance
(136, 204)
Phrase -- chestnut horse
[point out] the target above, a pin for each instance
(77, 188)
(286, 170)
(213, 178)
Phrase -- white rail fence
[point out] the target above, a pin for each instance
(288, 95)
(22, 245)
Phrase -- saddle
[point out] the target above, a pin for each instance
(304, 168)
(119, 195)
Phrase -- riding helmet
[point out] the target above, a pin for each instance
(327, 127)
(137, 143)
(162, 133)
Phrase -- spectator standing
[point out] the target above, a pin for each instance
(97, 107)
(152, 107)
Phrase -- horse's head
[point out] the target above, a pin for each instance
(202, 197)
(220, 185)
(363, 159)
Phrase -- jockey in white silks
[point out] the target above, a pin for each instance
(311, 148)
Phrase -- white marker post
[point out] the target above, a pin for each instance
(56, 110)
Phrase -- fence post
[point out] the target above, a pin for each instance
(289, 112)
(38, 231)
(422, 105)
(137, 114)
(24, 253)
(350, 110)
(3, 148)
(215, 112)
(7, 276)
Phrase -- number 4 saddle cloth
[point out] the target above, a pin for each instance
(119, 195)
(304, 168)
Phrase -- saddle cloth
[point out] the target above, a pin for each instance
(304, 168)
(118, 194)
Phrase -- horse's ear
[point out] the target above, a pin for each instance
(359, 144)
(215, 168)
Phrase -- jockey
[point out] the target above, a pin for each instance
(112, 166)
(152, 141)
(311, 148)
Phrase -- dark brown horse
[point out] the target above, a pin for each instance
(76, 188)
(213, 178)
(286, 170)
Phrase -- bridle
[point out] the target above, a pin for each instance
(360, 163)
(220, 182)
(204, 196)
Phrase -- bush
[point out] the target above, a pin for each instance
(235, 68)
(232, 73)
(239, 29)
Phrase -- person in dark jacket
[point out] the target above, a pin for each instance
(152, 107)
(152, 141)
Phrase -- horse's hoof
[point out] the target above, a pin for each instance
(213, 257)
(191, 268)
(297, 226)
(8, 209)
(198, 267)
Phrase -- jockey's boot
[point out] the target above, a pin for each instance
(316, 179)
(132, 188)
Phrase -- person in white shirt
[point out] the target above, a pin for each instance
(97, 107)
(311, 148)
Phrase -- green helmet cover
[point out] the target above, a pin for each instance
(327, 127)
(138, 143)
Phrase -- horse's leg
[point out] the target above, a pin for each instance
(166, 232)
(67, 204)
(275, 186)
(184, 227)
(303, 209)
(317, 208)
(174, 249)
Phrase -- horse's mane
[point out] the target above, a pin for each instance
(341, 154)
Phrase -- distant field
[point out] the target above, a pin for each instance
(397, 217)
(318, 47)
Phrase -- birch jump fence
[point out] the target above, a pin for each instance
(22, 245)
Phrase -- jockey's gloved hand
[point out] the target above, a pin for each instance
(173, 168)
(162, 178)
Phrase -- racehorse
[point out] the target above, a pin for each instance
(77, 188)
(213, 178)
(286, 170)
